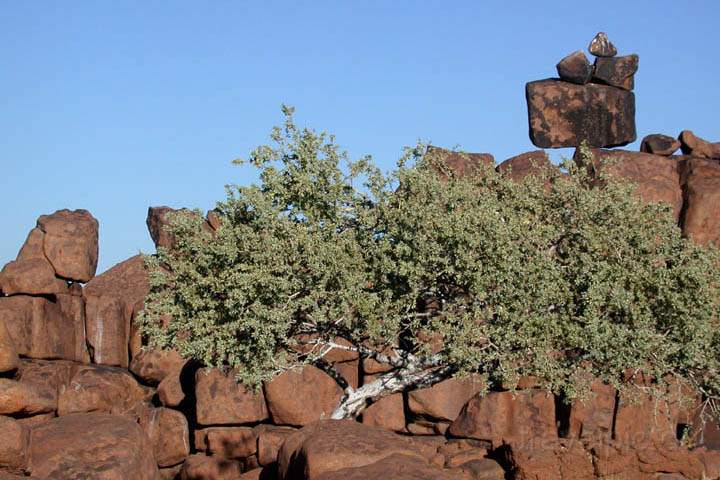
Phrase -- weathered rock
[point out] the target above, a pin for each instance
(482, 469)
(111, 300)
(445, 399)
(13, 443)
(616, 71)
(222, 400)
(170, 390)
(170, 473)
(701, 179)
(559, 460)
(388, 412)
(460, 163)
(9, 359)
(593, 417)
(202, 467)
(24, 398)
(350, 371)
(331, 445)
(601, 46)
(697, 147)
(91, 445)
(158, 221)
(270, 439)
(72, 308)
(528, 163)
(641, 417)
(503, 417)
(34, 420)
(71, 243)
(153, 365)
(656, 177)
(168, 433)
(46, 377)
(227, 442)
(214, 220)
(659, 144)
(562, 114)
(669, 458)
(99, 388)
(299, 397)
(397, 467)
(575, 68)
(40, 329)
(32, 277)
(33, 246)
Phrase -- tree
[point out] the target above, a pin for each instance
(434, 274)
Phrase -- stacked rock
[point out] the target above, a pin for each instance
(590, 101)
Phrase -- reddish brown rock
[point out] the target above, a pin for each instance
(170, 473)
(575, 68)
(73, 310)
(503, 417)
(270, 439)
(158, 222)
(91, 445)
(460, 163)
(153, 365)
(96, 388)
(445, 399)
(388, 412)
(669, 458)
(641, 418)
(350, 371)
(592, 417)
(71, 243)
(529, 163)
(39, 327)
(9, 359)
(168, 433)
(170, 390)
(213, 219)
(397, 467)
(697, 147)
(33, 246)
(202, 467)
(558, 460)
(562, 114)
(18, 398)
(222, 400)
(601, 46)
(32, 277)
(421, 428)
(482, 469)
(701, 221)
(111, 300)
(658, 144)
(299, 397)
(616, 71)
(331, 445)
(13, 443)
(34, 420)
(227, 442)
(656, 177)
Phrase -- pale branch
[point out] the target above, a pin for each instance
(415, 375)
(339, 379)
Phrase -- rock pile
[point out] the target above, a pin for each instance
(592, 102)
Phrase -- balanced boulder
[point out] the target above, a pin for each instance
(701, 179)
(601, 46)
(695, 146)
(71, 243)
(575, 68)
(616, 71)
(659, 144)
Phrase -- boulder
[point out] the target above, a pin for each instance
(71, 243)
(482, 469)
(222, 400)
(332, 445)
(503, 417)
(592, 417)
(33, 249)
(659, 144)
(202, 467)
(656, 177)
(302, 396)
(9, 359)
(34, 276)
(701, 179)
(562, 114)
(18, 398)
(170, 390)
(158, 221)
(170, 473)
(559, 460)
(444, 400)
(397, 467)
(99, 388)
(91, 445)
(43, 328)
(601, 46)
(350, 371)
(153, 365)
(270, 439)
(387, 412)
(616, 71)
(13, 443)
(460, 163)
(528, 163)
(575, 68)
(168, 433)
(111, 300)
(227, 442)
(46, 377)
(697, 147)
(640, 418)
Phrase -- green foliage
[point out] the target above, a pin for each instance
(548, 277)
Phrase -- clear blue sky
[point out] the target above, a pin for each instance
(114, 106)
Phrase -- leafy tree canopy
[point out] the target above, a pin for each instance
(436, 274)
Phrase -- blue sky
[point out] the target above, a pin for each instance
(117, 106)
